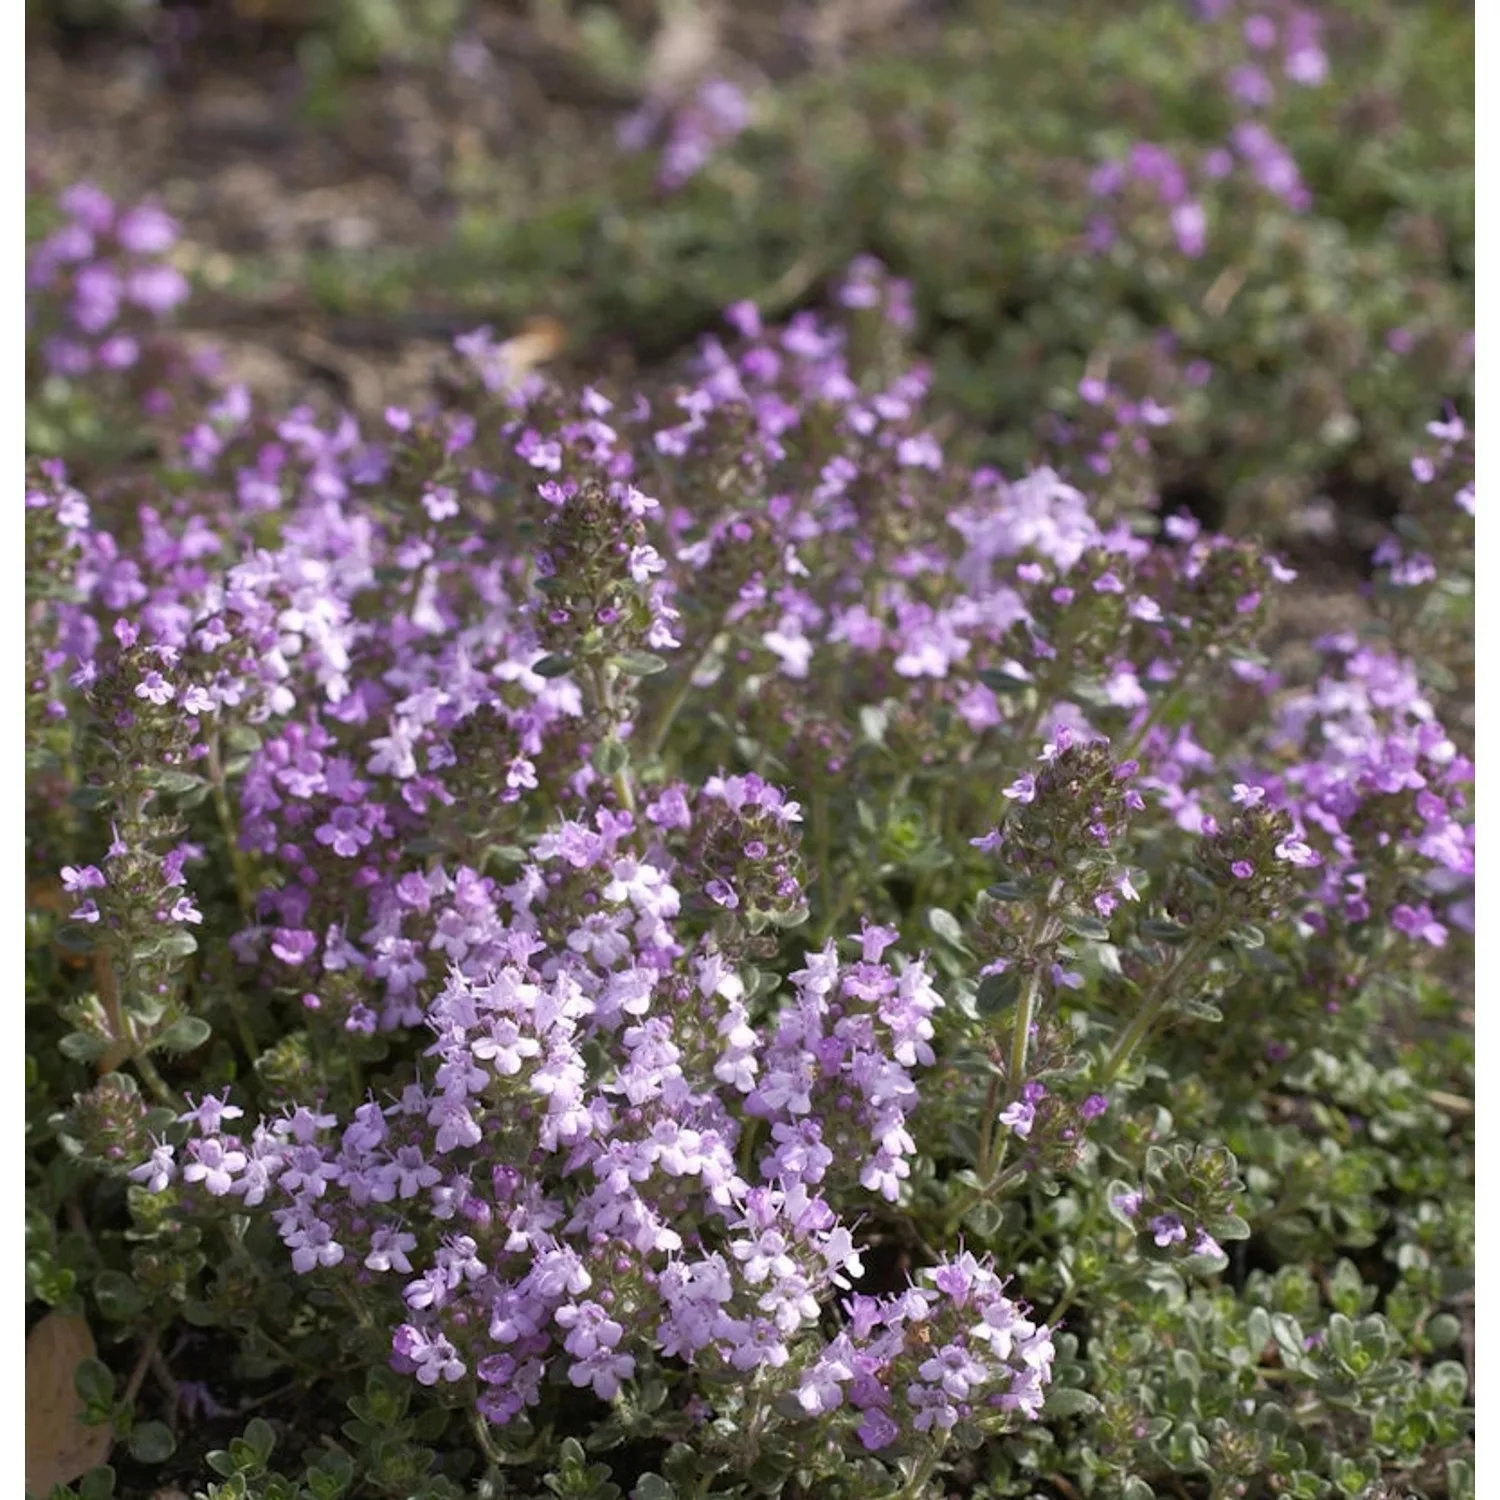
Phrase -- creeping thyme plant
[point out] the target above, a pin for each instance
(678, 941)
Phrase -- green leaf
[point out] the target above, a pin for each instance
(1227, 1227)
(186, 1034)
(997, 992)
(261, 1437)
(1001, 682)
(243, 738)
(152, 1443)
(176, 942)
(165, 780)
(1161, 930)
(330, 1477)
(1069, 1401)
(81, 1047)
(947, 927)
(653, 1487)
(1010, 890)
(552, 666)
(1443, 1330)
(639, 663)
(1119, 1190)
(94, 1382)
(1449, 1381)
(1257, 1330)
(1085, 926)
(75, 937)
(118, 1296)
(985, 1219)
(610, 756)
(97, 1484)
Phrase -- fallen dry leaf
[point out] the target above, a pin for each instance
(58, 1446)
(540, 340)
(683, 48)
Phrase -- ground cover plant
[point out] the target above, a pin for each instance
(687, 937)
(1258, 214)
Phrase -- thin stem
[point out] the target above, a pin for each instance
(1164, 701)
(913, 1488)
(156, 1083)
(1063, 1304)
(481, 1430)
(604, 708)
(984, 1193)
(166, 1379)
(1043, 930)
(821, 845)
(662, 727)
(1153, 717)
(987, 1126)
(243, 1031)
(142, 1364)
(243, 884)
(1150, 1008)
(837, 909)
(748, 1135)
(1020, 1040)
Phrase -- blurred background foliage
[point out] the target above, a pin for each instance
(956, 142)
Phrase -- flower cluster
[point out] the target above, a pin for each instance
(105, 269)
(564, 1186)
(580, 790)
(714, 114)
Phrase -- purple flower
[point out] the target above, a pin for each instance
(145, 230)
(1295, 852)
(154, 688)
(877, 1430)
(213, 1164)
(1205, 1244)
(1167, 1229)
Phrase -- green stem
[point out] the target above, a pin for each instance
(997, 1186)
(662, 727)
(1043, 930)
(822, 846)
(624, 790)
(243, 884)
(243, 1031)
(604, 709)
(748, 1136)
(987, 1127)
(1150, 1008)
(1020, 1040)
(913, 1488)
(836, 910)
(1063, 1304)
(156, 1083)
(481, 1430)
(1157, 711)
